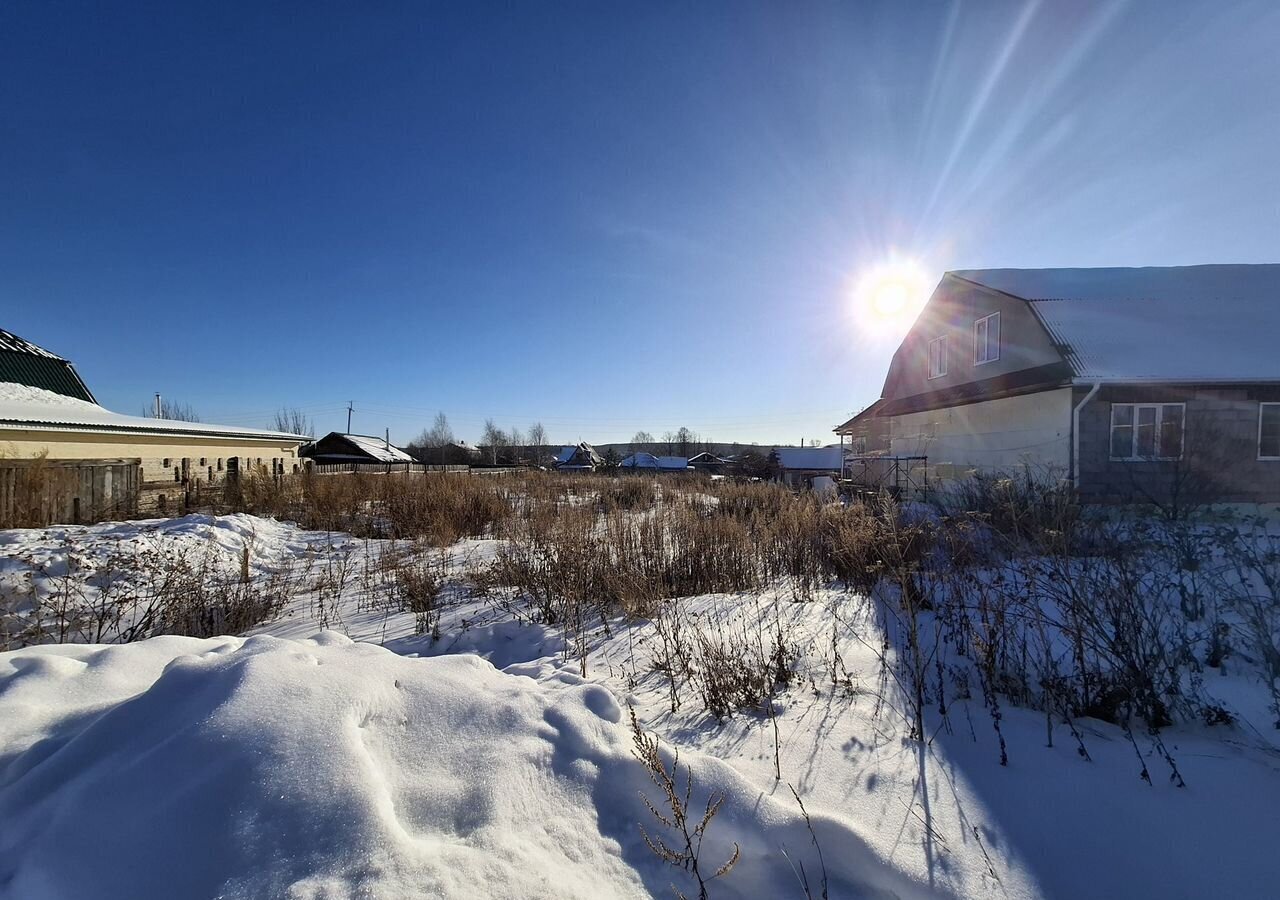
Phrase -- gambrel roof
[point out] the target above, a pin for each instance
(1202, 324)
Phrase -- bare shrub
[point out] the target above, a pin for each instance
(674, 813)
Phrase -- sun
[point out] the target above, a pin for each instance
(889, 296)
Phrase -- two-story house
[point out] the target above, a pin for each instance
(1133, 384)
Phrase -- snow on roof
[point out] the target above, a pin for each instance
(377, 448)
(22, 406)
(640, 461)
(565, 454)
(1183, 323)
(672, 462)
(14, 344)
(809, 457)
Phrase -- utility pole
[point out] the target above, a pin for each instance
(350, 403)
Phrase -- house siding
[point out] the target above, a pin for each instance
(951, 312)
(1001, 435)
(1220, 458)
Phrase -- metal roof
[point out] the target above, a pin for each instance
(26, 408)
(12, 343)
(22, 362)
(1213, 323)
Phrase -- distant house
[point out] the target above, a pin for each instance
(640, 461)
(797, 467)
(708, 463)
(578, 458)
(655, 463)
(336, 448)
(454, 453)
(47, 411)
(1129, 384)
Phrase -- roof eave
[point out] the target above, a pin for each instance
(107, 428)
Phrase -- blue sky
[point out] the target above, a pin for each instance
(603, 217)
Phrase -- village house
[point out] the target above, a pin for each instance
(105, 462)
(578, 458)
(336, 448)
(1132, 385)
(708, 463)
(653, 463)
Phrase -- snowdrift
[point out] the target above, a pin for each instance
(266, 767)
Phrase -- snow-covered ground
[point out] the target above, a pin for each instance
(297, 763)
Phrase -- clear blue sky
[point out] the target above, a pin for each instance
(608, 218)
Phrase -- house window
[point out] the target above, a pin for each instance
(986, 339)
(219, 463)
(166, 462)
(1147, 430)
(938, 357)
(1269, 431)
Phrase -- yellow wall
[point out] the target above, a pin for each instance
(80, 445)
(172, 466)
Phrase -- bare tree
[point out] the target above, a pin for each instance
(439, 433)
(685, 438)
(293, 421)
(669, 438)
(494, 438)
(433, 443)
(171, 409)
(641, 440)
(537, 442)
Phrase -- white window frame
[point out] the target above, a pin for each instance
(941, 343)
(1159, 427)
(1261, 407)
(989, 359)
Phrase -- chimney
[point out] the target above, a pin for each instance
(159, 407)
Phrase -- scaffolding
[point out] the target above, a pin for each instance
(902, 477)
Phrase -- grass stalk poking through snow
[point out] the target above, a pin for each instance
(674, 816)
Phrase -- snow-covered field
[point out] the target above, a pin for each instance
(308, 761)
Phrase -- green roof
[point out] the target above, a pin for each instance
(22, 362)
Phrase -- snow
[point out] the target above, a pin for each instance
(1183, 323)
(11, 343)
(325, 768)
(644, 460)
(483, 763)
(22, 406)
(377, 448)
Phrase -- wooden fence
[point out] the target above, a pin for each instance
(39, 492)
(400, 468)
(376, 468)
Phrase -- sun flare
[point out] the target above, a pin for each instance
(889, 296)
